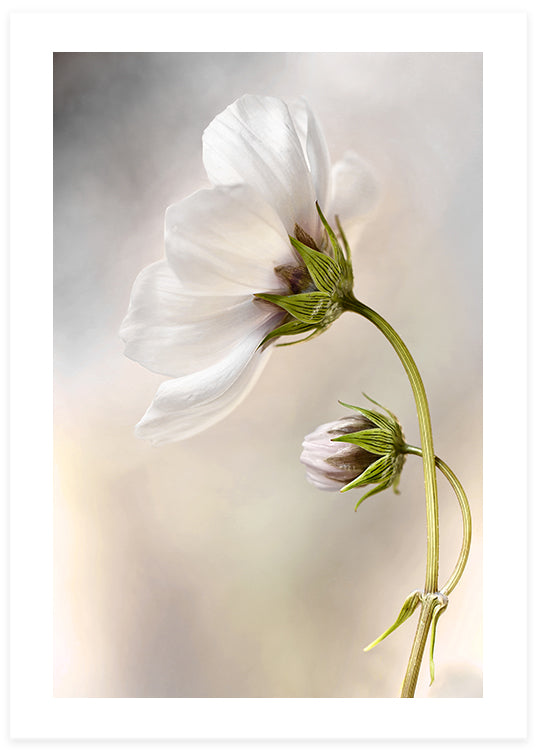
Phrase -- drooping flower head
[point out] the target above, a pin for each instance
(247, 261)
(355, 451)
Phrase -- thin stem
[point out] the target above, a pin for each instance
(417, 650)
(466, 519)
(432, 606)
(430, 488)
(425, 427)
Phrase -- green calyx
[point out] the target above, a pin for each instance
(386, 440)
(320, 288)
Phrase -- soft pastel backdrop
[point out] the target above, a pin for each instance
(210, 567)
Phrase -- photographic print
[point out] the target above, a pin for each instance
(235, 516)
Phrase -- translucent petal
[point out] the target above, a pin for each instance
(254, 141)
(315, 148)
(185, 406)
(354, 191)
(227, 240)
(174, 334)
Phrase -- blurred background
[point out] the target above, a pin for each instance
(210, 567)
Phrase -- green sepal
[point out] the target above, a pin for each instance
(348, 271)
(292, 328)
(310, 307)
(344, 240)
(408, 608)
(374, 441)
(323, 270)
(378, 419)
(397, 472)
(338, 254)
(316, 332)
(379, 471)
(395, 418)
(374, 491)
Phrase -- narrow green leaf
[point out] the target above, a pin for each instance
(323, 270)
(310, 307)
(438, 610)
(408, 608)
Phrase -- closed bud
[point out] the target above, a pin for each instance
(355, 451)
(331, 465)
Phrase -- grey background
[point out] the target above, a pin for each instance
(210, 567)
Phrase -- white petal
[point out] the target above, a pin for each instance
(254, 141)
(355, 191)
(315, 147)
(226, 240)
(174, 334)
(188, 405)
(322, 482)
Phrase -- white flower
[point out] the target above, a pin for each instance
(193, 316)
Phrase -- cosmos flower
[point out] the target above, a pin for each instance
(247, 261)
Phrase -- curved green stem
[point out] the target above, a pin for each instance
(466, 519)
(425, 426)
(430, 487)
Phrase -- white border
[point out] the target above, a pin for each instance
(34, 712)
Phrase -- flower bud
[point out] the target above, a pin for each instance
(354, 451)
(331, 465)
